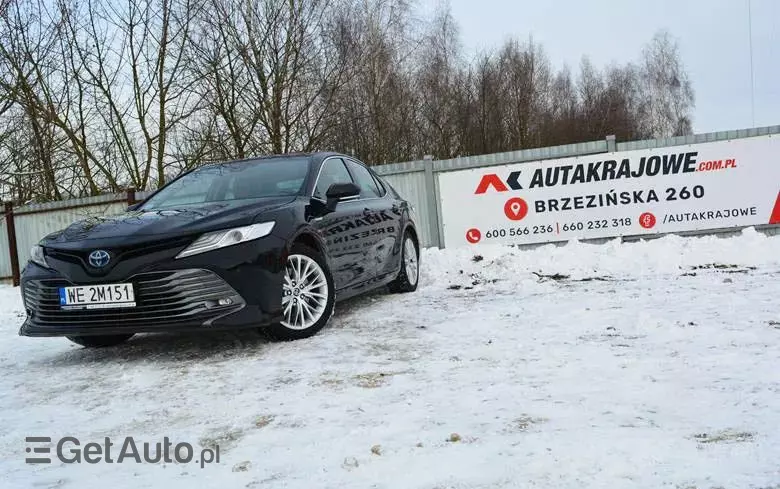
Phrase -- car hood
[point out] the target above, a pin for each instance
(144, 225)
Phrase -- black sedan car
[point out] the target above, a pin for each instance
(268, 242)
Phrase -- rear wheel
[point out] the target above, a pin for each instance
(307, 295)
(100, 341)
(408, 276)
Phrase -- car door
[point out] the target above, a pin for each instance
(340, 228)
(380, 222)
(395, 221)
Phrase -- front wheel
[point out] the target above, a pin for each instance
(307, 296)
(409, 275)
(100, 341)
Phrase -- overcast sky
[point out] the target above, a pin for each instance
(712, 34)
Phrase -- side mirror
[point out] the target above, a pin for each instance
(341, 191)
(133, 207)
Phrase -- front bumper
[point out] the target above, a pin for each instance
(171, 295)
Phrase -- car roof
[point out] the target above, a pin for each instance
(311, 154)
(316, 157)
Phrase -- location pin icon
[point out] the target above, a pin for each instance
(515, 209)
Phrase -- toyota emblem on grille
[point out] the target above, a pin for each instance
(99, 258)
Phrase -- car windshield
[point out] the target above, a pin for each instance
(243, 180)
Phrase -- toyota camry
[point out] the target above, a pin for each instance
(267, 242)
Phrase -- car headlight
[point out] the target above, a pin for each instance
(227, 237)
(38, 257)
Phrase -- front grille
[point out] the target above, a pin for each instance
(176, 297)
(80, 257)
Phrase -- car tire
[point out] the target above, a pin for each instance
(312, 292)
(409, 275)
(100, 341)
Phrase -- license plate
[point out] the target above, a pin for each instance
(103, 296)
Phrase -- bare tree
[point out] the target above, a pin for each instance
(283, 49)
(376, 107)
(227, 127)
(667, 87)
(440, 85)
(524, 74)
(97, 95)
(31, 82)
(130, 58)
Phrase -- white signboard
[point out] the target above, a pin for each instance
(661, 190)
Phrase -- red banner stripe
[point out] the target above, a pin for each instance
(775, 218)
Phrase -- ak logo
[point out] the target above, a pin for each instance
(499, 185)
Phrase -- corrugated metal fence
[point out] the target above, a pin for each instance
(34, 221)
(415, 180)
(5, 256)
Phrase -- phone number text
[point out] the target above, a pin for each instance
(558, 227)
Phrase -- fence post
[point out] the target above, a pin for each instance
(611, 143)
(433, 201)
(12, 251)
(131, 196)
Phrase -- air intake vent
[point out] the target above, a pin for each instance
(183, 296)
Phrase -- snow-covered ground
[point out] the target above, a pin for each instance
(651, 364)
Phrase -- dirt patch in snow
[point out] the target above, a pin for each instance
(372, 380)
(725, 436)
(525, 422)
(224, 438)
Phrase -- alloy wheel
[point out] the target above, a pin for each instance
(410, 261)
(304, 292)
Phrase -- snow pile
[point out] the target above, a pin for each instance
(667, 255)
(640, 365)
